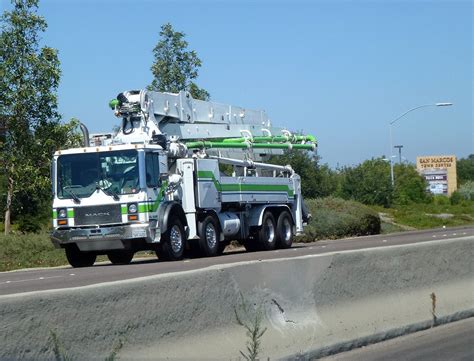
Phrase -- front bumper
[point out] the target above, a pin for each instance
(104, 238)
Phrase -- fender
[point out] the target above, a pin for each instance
(165, 210)
(256, 213)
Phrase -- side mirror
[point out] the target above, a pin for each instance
(174, 180)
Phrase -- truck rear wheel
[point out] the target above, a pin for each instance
(173, 241)
(267, 233)
(209, 237)
(284, 230)
(120, 257)
(77, 258)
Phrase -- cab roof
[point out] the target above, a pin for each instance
(107, 148)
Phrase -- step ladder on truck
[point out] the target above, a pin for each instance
(180, 174)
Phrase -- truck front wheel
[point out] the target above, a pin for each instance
(120, 257)
(209, 237)
(173, 241)
(77, 258)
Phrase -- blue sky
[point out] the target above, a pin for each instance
(340, 70)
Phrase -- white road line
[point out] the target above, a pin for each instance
(310, 247)
(433, 236)
(445, 235)
(72, 274)
(31, 279)
(454, 234)
(464, 233)
(323, 246)
(186, 261)
(384, 240)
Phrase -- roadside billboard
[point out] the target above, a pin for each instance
(439, 172)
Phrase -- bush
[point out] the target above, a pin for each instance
(466, 191)
(29, 250)
(30, 224)
(456, 198)
(440, 200)
(337, 218)
(368, 182)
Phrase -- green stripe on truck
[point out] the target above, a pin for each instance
(152, 206)
(70, 213)
(245, 187)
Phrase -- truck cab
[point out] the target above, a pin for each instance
(106, 198)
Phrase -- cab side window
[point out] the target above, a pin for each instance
(152, 166)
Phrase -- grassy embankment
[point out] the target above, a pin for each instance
(29, 250)
(424, 216)
(332, 218)
(33, 250)
(336, 218)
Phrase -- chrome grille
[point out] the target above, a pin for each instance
(84, 216)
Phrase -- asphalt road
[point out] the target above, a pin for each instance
(65, 277)
(453, 342)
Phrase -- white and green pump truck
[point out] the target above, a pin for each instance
(180, 174)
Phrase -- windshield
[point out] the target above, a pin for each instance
(79, 175)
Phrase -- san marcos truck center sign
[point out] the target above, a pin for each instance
(439, 173)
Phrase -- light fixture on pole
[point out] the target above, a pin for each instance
(399, 152)
(401, 116)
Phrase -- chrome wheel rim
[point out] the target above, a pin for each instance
(269, 230)
(211, 235)
(287, 229)
(176, 239)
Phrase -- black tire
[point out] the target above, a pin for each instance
(193, 249)
(222, 246)
(209, 237)
(78, 259)
(267, 233)
(173, 242)
(120, 257)
(284, 230)
(251, 243)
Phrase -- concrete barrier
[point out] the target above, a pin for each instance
(312, 306)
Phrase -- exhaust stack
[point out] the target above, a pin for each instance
(85, 134)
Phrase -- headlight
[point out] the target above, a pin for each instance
(62, 213)
(132, 208)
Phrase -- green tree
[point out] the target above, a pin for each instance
(369, 182)
(316, 180)
(410, 187)
(175, 67)
(465, 169)
(29, 77)
(32, 209)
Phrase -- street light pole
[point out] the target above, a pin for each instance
(401, 116)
